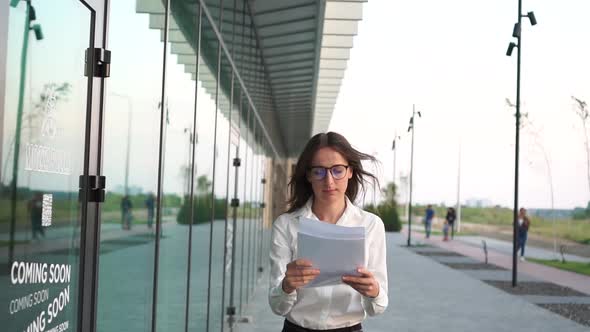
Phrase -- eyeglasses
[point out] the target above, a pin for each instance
(319, 173)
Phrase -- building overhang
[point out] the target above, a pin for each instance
(291, 56)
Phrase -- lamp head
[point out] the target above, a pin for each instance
(511, 47)
(516, 30)
(38, 31)
(532, 18)
(32, 14)
(419, 114)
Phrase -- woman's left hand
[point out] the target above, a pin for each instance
(366, 284)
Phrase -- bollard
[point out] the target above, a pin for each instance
(562, 252)
(485, 249)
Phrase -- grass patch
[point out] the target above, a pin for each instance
(420, 229)
(578, 267)
(569, 229)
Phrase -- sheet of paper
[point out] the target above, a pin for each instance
(335, 250)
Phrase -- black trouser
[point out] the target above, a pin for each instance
(290, 327)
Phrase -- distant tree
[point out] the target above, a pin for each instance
(390, 191)
(204, 208)
(387, 210)
(40, 109)
(203, 185)
(581, 109)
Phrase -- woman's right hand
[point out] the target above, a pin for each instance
(299, 273)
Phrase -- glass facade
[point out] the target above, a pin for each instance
(175, 239)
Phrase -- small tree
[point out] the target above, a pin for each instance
(387, 210)
(40, 118)
(203, 185)
(203, 205)
(581, 109)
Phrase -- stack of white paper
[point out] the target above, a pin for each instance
(335, 250)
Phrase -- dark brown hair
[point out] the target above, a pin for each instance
(300, 188)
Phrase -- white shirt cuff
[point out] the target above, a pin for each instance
(381, 300)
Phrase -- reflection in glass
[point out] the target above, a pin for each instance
(43, 152)
(179, 137)
(131, 141)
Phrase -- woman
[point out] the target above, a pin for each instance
(450, 223)
(326, 181)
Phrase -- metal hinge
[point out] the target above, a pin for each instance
(96, 193)
(262, 205)
(101, 65)
(237, 162)
(263, 181)
(230, 311)
(235, 202)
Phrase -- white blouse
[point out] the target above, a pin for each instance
(327, 307)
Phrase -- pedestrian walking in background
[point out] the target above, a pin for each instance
(35, 206)
(450, 220)
(524, 222)
(126, 207)
(150, 204)
(428, 220)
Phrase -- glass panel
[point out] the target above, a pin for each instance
(204, 155)
(219, 276)
(234, 229)
(243, 185)
(43, 131)
(262, 254)
(249, 217)
(179, 137)
(257, 216)
(222, 181)
(131, 147)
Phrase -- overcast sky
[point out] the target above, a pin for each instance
(449, 59)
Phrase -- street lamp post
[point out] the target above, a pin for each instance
(517, 33)
(190, 158)
(30, 15)
(458, 210)
(411, 127)
(395, 139)
(374, 154)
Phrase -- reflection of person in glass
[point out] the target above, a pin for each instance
(126, 207)
(327, 178)
(36, 210)
(149, 204)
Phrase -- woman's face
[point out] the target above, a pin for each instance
(329, 185)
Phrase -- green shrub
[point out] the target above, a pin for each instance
(390, 217)
(202, 210)
(387, 210)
